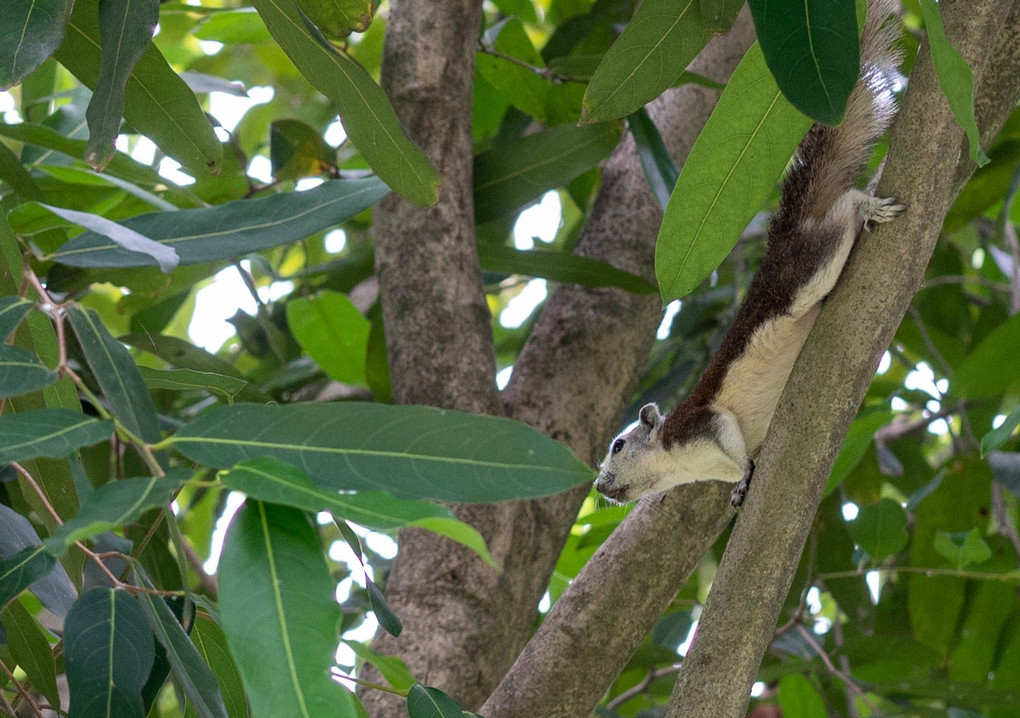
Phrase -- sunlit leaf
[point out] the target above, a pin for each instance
(338, 18)
(962, 548)
(730, 173)
(410, 451)
(279, 614)
(333, 332)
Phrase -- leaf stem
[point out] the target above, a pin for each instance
(377, 686)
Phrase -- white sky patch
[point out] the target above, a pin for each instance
(261, 169)
(899, 404)
(9, 108)
(672, 309)
(144, 151)
(234, 501)
(171, 169)
(520, 307)
(850, 511)
(540, 221)
(335, 133)
(210, 47)
(998, 421)
(308, 183)
(275, 291)
(757, 689)
(545, 604)
(923, 378)
(686, 645)
(214, 305)
(229, 109)
(884, 363)
(874, 585)
(814, 600)
(336, 241)
(503, 377)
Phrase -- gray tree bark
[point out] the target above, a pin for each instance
(823, 396)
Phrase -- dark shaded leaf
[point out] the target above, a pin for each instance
(560, 267)
(212, 644)
(54, 590)
(22, 372)
(184, 379)
(31, 650)
(384, 614)
(30, 31)
(658, 166)
(117, 374)
(108, 651)
(53, 433)
(426, 702)
(12, 310)
(880, 529)
(20, 570)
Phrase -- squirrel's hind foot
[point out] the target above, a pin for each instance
(879, 210)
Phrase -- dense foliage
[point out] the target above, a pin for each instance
(139, 176)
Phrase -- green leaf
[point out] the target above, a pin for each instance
(269, 479)
(21, 569)
(516, 172)
(13, 172)
(31, 650)
(729, 174)
(656, 163)
(30, 30)
(520, 86)
(962, 548)
(392, 668)
(658, 43)
(234, 27)
(338, 18)
(189, 668)
(998, 436)
(560, 267)
(798, 697)
(212, 644)
(125, 31)
(296, 149)
(719, 15)
(116, 373)
(54, 590)
(880, 529)
(955, 78)
(133, 242)
(157, 102)
(410, 451)
(115, 504)
(813, 51)
(333, 332)
(426, 702)
(991, 366)
(53, 433)
(108, 651)
(279, 613)
(369, 120)
(185, 379)
(13, 310)
(229, 229)
(22, 372)
(388, 620)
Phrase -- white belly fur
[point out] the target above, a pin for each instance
(754, 382)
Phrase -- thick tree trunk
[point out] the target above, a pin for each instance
(823, 396)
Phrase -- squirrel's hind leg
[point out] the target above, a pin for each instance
(879, 210)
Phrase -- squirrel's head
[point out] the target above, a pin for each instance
(637, 463)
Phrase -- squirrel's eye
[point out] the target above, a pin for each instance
(617, 446)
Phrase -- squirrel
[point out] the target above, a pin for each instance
(717, 431)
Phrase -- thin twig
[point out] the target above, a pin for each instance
(899, 427)
(25, 695)
(23, 472)
(1012, 577)
(961, 279)
(543, 72)
(936, 354)
(653, 675)
(377, 686)
(847, 680)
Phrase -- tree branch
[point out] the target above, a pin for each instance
(822, 396)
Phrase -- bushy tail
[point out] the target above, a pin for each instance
(830, 159)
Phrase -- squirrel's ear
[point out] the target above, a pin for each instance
(650, 417)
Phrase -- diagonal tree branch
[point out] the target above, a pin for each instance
(576, 372)
(823, 396)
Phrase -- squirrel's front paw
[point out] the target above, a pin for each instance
(879, 210)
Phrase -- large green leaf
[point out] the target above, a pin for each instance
(31, 650)
(339, 18)
(410, 451)
(798, 697)
(185, 379)
(813, 51)
(157, 103)
(647, 58)
(992, 365)
(368, 118)
(54, 590)
(115, 504)
(518, 171)
(210, 641)
(190, 670)
(108, 651)
(560, 267)
(269, 479)
(116, 373)
(13, 309)
(30, 30)
(519, 85)
(955, 78)
(729, 174)
(230, 229)
(279, 613)
(125, 31)
(19, 570)
(22, 372)
(53, 433)
(660, 171)
(333, 332)
(427, 702)
(880, 529)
